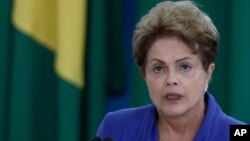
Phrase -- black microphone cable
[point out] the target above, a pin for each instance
(96, 138)
(108, 138)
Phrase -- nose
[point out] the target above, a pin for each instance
(171, 79)
(172, 83)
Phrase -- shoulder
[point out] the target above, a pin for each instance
(221, 126)
(218, 116)
(216, 123)
(123, 121)
(228, 120)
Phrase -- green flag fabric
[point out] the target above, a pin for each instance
(43, 69)
(65, 64)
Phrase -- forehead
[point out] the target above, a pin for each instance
(171, 46)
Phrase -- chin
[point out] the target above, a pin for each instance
(173, 112)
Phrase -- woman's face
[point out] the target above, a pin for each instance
(175, 77)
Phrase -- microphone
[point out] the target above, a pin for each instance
(96, 138)
(108, 138)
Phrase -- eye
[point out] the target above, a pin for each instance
(158, 69)
(185, 67)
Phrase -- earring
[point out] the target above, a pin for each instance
(205, 89)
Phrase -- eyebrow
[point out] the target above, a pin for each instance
(184, 58)
(178, 60)
(158, 60)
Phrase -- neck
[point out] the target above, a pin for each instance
(184, 126)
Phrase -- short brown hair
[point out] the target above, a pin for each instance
(182, 19)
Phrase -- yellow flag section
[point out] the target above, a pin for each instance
(61, 27)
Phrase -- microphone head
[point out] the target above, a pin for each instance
(108, 138)
(96, 138)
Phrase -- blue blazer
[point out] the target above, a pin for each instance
(140, 124)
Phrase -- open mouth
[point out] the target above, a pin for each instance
(173, 97)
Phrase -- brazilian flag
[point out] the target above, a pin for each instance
(43, 44)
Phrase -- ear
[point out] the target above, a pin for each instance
(210, 71)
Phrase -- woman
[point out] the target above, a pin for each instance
(175, 46)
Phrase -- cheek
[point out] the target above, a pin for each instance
(154, 86)
(196, 84)
(151, 85)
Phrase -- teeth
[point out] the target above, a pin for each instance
(173, 97)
